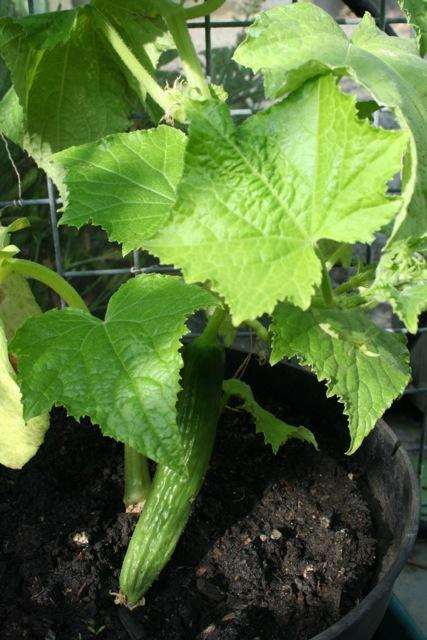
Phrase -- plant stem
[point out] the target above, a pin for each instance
(190, 61)
(137, 477)
(146, 82)
(259, 329)
(326, 285)
(210, 331)
(51, 279)
(336, 256)
(209, 6)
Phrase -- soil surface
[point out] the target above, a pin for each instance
(277, 546)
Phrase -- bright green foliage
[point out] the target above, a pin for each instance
(125, 183)
(255, 199)
(276, 432)
(401, 280)
(124, 372)
(416, 10)
(366, 367)
(19, 440)
(294, 43)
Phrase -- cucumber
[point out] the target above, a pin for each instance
(169, 504)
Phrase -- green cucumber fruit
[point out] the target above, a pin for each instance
(168, 506)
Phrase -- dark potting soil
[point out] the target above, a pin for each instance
(277, 546)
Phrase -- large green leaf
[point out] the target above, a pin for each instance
(123, 372)
(125, 183)
(255, 199)
(366, 367)
(276, 432)
(294, 43)
(19, 440)
(401, 280)
(70, 87)
(416, 10)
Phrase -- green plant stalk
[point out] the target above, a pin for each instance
(213, 324)
(146, 83)
(190, 60)
(209, 6)
(326, 286)
(335, 257)
(137, 478)
(172, 495)
(259, 329)
(50, 278)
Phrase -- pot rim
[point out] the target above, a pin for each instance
(404, 550)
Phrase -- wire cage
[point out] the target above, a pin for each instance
(385, 20)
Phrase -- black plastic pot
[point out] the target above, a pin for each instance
(392, 484)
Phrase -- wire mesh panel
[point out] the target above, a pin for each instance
(386, 20)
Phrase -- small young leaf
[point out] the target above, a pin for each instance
(19, 441)
(255, 199)
(401, 280)
(294, 43)
(276, 432)
(124, 183)
(123, 372)
(366, 367)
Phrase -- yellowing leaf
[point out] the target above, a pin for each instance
(17, 303)
(19, 440)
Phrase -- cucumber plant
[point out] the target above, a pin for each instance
(254, 216)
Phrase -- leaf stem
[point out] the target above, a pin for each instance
(326, 285)
(201, 10)
(210, 331)
(193, 70)
(50, 278)
(137, 478)
(146, 83)
(259, 329)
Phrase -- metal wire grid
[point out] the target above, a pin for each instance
(52, 201)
